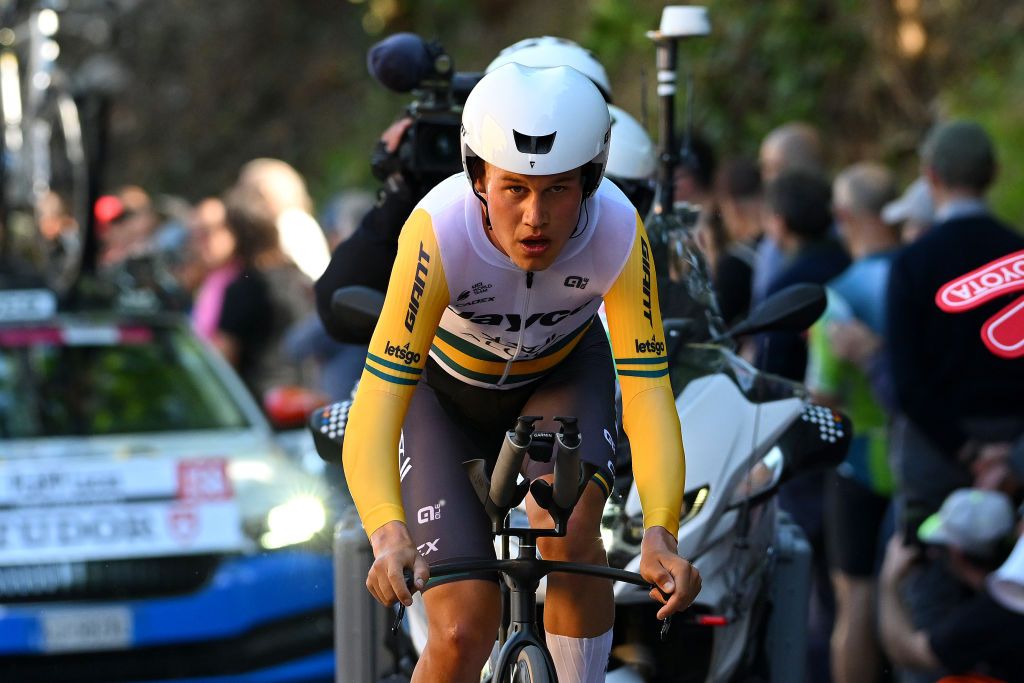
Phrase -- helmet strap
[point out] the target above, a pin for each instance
(591, 172)
(487, 213)
(579, 231)
(472, 183)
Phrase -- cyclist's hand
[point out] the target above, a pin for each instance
(661, 565)
(394, 552)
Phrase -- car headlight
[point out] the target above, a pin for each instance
(281, 504)
(294, 521)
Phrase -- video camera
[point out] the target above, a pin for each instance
(429, 150)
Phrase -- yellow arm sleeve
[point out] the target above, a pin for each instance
(416, 298)
(648, 407)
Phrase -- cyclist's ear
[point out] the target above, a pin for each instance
(477, 169)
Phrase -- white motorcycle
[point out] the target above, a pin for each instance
(745, 433)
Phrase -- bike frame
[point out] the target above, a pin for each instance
(522, 576)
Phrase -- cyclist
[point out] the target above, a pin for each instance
(490, 314)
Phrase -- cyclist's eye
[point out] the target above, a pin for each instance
(516, 189)
(557, 188)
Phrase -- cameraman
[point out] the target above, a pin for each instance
(366, 257)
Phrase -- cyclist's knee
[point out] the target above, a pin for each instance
(582, 542)
(456, 632)
(465, 641)
(579, 545)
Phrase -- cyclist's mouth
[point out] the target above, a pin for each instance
(535, 246)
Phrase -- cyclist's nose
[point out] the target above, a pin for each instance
(535, 211)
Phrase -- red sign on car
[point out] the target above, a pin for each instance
(204, 480)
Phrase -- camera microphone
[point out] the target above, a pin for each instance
(400, 62)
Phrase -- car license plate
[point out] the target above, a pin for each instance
(107, 628)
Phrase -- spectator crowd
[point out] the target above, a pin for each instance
(910, 533)
(243, 265)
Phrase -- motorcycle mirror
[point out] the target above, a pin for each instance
(818, 441)
(327, 425)
(794, 308)
(357, 308)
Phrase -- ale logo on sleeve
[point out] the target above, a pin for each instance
(1003, 333)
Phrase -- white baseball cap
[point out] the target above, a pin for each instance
(914, 204)
(971, 520)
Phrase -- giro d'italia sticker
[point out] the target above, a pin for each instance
(1003, 333)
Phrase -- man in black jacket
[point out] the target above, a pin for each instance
(961, 405)
(957, 396)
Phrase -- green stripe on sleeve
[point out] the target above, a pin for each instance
(641, 361)
(394, 366)
(389, 378)
(644, 373)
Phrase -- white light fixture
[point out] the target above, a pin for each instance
(48, 22)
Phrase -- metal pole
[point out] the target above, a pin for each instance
(359, 622)
(666, 62)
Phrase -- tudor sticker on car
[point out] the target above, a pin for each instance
(101, 509)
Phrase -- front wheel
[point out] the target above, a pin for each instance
(532, 666)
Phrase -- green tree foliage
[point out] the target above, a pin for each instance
(218, 83)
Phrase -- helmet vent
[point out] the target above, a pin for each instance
(534, 144)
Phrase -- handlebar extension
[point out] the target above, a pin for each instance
(503, 486)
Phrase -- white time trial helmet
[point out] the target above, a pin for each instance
(537, 121)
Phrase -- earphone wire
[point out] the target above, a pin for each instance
(487, 211)
(583, 209)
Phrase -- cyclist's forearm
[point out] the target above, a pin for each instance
(648, 408)
(417, 297)
(370, 457)
(659, 464)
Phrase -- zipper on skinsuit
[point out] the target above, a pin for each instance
(522, 330)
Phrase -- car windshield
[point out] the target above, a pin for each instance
(94, 379)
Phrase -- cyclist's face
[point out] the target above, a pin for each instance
(532, 217)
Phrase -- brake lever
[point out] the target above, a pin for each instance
(666, 624)
(400, 615)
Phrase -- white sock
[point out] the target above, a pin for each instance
(580, 660)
